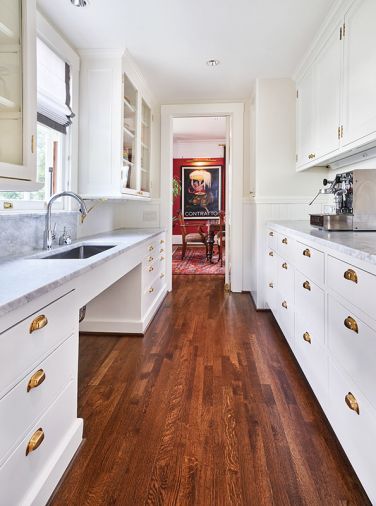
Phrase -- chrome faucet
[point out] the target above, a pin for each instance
(48, 233)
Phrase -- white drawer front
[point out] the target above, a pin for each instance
(20, 472)
(353, 344)
(149, 272)
(272, 239)
(285, 318)
(286, 247)
(271, 279)
(153, 290)
(61, 320)
(310, 307)
(285, 278)
(355, 285)
(310, 262)
(356, 432)
(25, 403)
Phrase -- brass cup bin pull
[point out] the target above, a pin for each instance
(38, 323)
(307, 338)
(284, 304)
(271, 253)
(351, 324)
(35, 441)
(36, 380)
(271, 234)
(351, 275)
(307, 253)
(307, 285)
(151, 268)
(271, 285)
(151, 290)
(352, 403)
(151, 248)
(284, 241)
(151, 259)
(161, 241)
(284, 265)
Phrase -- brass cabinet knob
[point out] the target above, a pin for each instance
(307, 338)
(36, 380)
(271, 253)
(284, 265)
(307, 285)
(271, 234)
(351, 275)
(161, 250)
(151, 248)
(162, 275)
(307, 253)
(311, 156)
(38, 323)
(284, 241)
(271, 285)
(162, 257)
(284, 304)
(151, 290)
(352, 403)
(151, 259)
(151, 268)
(351, 324)
(35, 441)
(161, 241)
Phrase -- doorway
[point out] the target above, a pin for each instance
(233, 112)
(199, 195)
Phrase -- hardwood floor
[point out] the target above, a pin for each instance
(209, 408)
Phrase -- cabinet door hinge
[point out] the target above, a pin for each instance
(339, 132)
(344, 30)
(297, 93)
(296, 157)
(340, 33)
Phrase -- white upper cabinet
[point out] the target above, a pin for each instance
(359, 105)
(17, 93)
(336, 106)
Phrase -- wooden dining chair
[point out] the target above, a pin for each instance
(220, 237)
(198, 237)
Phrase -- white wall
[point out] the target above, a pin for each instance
(198, 149)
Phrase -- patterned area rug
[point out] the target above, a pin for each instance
(195, 262)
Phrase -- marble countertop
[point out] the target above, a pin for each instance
(24, 279)
(360, 245)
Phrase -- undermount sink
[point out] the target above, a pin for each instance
(79, 253)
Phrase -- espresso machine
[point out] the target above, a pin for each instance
(355, 202)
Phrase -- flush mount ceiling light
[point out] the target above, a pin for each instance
(79, 3)
(213, 63)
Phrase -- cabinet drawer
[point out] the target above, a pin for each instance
(153, 290)
(285, 278)
(149, 272)
(30, 468)
(286, 247)
(355, 285)
(311, 262)
(35, 393)
(356, 432)
(285, 318)
(310, 307)
(353, 345)
(60, 319)
(272, 239)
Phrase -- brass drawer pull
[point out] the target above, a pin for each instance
(351, 275)
(352, 403)
(284, 241)
(162, 275)
(151, 259)
(284, 304)
(307, 285)
(271, 285)
(36, 380)
(271, 234)
(151, 290)
(161, 241)
(161, 250)
(351, 324)
(38, 323)
(151, 268)
(284, 265)
(307, 337)
(311, 156)
(307, 253)
(35, 441)
(151, 248)
(271, 254)
(162, 258)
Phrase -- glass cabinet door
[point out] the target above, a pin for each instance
(145, 147)
(130, 116)
(11, 135)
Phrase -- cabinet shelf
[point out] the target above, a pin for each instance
(128, 133)
(129, 106)
(5, 102)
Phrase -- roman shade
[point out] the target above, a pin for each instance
(53, 89)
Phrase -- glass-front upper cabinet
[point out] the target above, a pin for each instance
(145, 147)
(17, 91)
(130, 134)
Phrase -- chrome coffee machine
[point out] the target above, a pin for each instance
(355, 202)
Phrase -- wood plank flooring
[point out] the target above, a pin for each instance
(209, 408)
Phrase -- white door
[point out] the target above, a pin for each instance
(359, 106)
(327, 95)
(305, 118)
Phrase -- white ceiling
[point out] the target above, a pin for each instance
(171, 40)
(192, 129)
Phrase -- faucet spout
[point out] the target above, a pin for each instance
(48, 233)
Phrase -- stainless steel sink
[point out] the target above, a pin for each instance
(79, 253)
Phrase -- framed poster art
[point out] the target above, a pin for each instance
(201, 192)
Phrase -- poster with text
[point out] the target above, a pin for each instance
(201, 192)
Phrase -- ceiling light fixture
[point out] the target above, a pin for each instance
(79, 3)
(213, 63)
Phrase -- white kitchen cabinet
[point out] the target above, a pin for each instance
(115, 128)
(18, 94)
(359, 104)
(305, 119)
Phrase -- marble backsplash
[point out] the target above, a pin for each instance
(21, 233)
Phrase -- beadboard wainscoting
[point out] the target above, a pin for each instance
(257, 212)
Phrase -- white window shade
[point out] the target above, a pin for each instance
(53, 85)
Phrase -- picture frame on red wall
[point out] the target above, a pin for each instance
(201, 192)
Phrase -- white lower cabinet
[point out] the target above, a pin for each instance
(324, 307)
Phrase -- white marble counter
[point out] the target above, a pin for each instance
(360, 245)
(24, 279)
